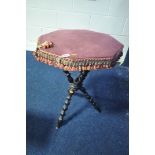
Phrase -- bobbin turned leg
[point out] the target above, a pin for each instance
(80, 79)
(64, 109)
(90, 99)
(67, 101)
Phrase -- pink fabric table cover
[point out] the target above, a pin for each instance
(78, 50)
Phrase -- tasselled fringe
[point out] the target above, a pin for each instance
(74, 65)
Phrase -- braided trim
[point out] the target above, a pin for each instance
(75, 64)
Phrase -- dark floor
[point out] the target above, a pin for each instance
(85, 131)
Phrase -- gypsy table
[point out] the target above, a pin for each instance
(77, 50)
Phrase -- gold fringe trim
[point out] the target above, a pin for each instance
(75, 64)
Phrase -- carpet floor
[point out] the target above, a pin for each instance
(84, 131)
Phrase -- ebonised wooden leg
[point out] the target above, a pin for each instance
(67, 101)
(64, 108)
(90, 99)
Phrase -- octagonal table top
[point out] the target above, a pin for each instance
(78, 50)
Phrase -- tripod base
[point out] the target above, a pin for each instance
(75, 85)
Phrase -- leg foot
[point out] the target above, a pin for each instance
(58, 124)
